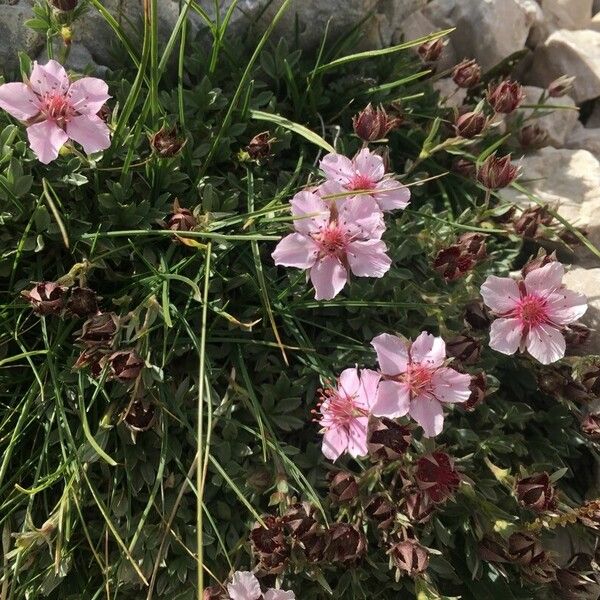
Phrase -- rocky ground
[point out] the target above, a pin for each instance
(562, 37)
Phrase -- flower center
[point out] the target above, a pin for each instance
(418, 379)
(361, 182)
(57, 107)
(333, 240)
(531, 310)
(338, 409)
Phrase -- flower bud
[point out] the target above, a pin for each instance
(470, 124)
(452, 263)
(591, 379)
(437, 477)
(372, 124)
(536, 492)
(125, 365)
(532, 137)
(525, 549)
(64, 5)
(181, 219)
(381, 510)
(166, 143)
(387, 439)
(343, 487)
(418, 507)
(497, 172)
(464, 167)
(347, 544)
(466, 74)
(538, 262)
(477, 315)
(478, 388)
(82, 302)
(269, 545)
(410, 557)
(140, 416)
(531, 219)
(431, 51)
(506, 96)
(560, 86)
(464, 348)
(590, 425)
(46, 298)
(99, 330)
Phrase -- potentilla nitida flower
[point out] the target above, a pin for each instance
(416, 381)
(437, 476)
(56, 110)
(497, 172)
(532, 312)
(46, 298)
(506, 96)
(536, 492)
(372, 124)
(364, 175)
(345, 411)
(467, 73)
(560, 86)
(334, 240)
(245, 586)
(470, 124)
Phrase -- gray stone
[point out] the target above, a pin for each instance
(584, 138)
(587, 281)
(79, 60)
(567, 14)
(14, 36)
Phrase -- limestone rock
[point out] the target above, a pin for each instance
(14, 36)
(587, 281)
(567, 14)
(569, 53)
(584, 138)
(450, 94)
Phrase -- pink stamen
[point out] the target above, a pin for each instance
(340, 408)
(361, 182)
(332, 240)
(56, 107)
(532, 311)
(418, 378)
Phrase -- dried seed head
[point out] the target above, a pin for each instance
(270, 546)
(531, 220)
(410, 557)
(347, 544)
(505, 97)
(259, 147)
(381, 510)
(82, 302)
(536, 492)
(125, 365)
(538, 262)
(431, 51)
(343, 488)
(64, 5)
(166, 143)
(387, 440)
(452, 263)
(99, 330)
(464, 348)
(46, 298)
(525, 549)
(181, 219)
(140, 416)
(466, 74)
(470, 124)
(497, 172)
(437, 476)
(478, 388)
(532, 137)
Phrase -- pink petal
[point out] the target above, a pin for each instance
(428, 349)
(392, 353)
(546, 344)
(428, 413)
(335, 442)
(545, 279)
(310, 212)
(501, 294)
(505, 335)
(46, 139)
(369, 386)
(329, 277)
(296, 250)
(370, 164)
(357, 437)
(368, 259)
(90, 131)
(335, 189)
(349, 381)
(50, 77)
(450, 385)
(393, 400)
(565, 306)
(244, 586)
(361, 217)
(18, 101)
(391, 195)
(337, 167)
(273, 594)
(88, 95)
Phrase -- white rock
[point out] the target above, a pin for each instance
(539, 30)
(559, 122)
(587, 281)
(14, 36)
(450, 94)
(567, 14)
(569, 53)
(584, 138)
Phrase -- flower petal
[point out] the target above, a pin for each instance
(428, 413)
(335, 442)
(369, 258)
(310, 212)
(428, 349)
(565, 306)
(450, 385)
(393, 400)
(19, 101)
(90, 131)
(361, 217)
(337, 167)
(505, 335)
(50, 77)
(369, 386)
(545, 279)
(546, 344)
(392, 353)
(329, 277)
(391, 195)
(46, 139)
(357, 437)
(369, 164)
(88, 95)
(244, 586)
(501, 294)
(296, 250)
(273, 594)
(350, 381)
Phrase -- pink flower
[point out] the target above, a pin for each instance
(415, 380)
(332, 240)
(364, 172)
(532, 312)
(56, 110)
(245, 586)
(345, 413)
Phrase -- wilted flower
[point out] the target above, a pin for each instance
(470, 124)
(478, 389)
(452, 263)
(343, 487)
(560, 86)
(538, 262)
(497, 172)
(345, 413)
(590, 425)
(300, 523)
(418, 506)
(364, 173)
(410, 557)
(125, 365)
(381, 510)
(387, 440)
(269, 545)
(372, 124)
(140, 416)
(46, 298)
(532, 136)
(99, 330)
(347, 544)
(92, 358)
(166, 143)
(259, 147)
(525, 549)
(333, 242)
(542, 573)
(82, 302)
(476, 315)
(506, 96)
(531, 219)
(431, 51)
(466, 74)
(56, 110)
(536, 492)
(437, 476)
(181, 219)
(415, 380)
(464, 348)
(64, 5)
(532, 312)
